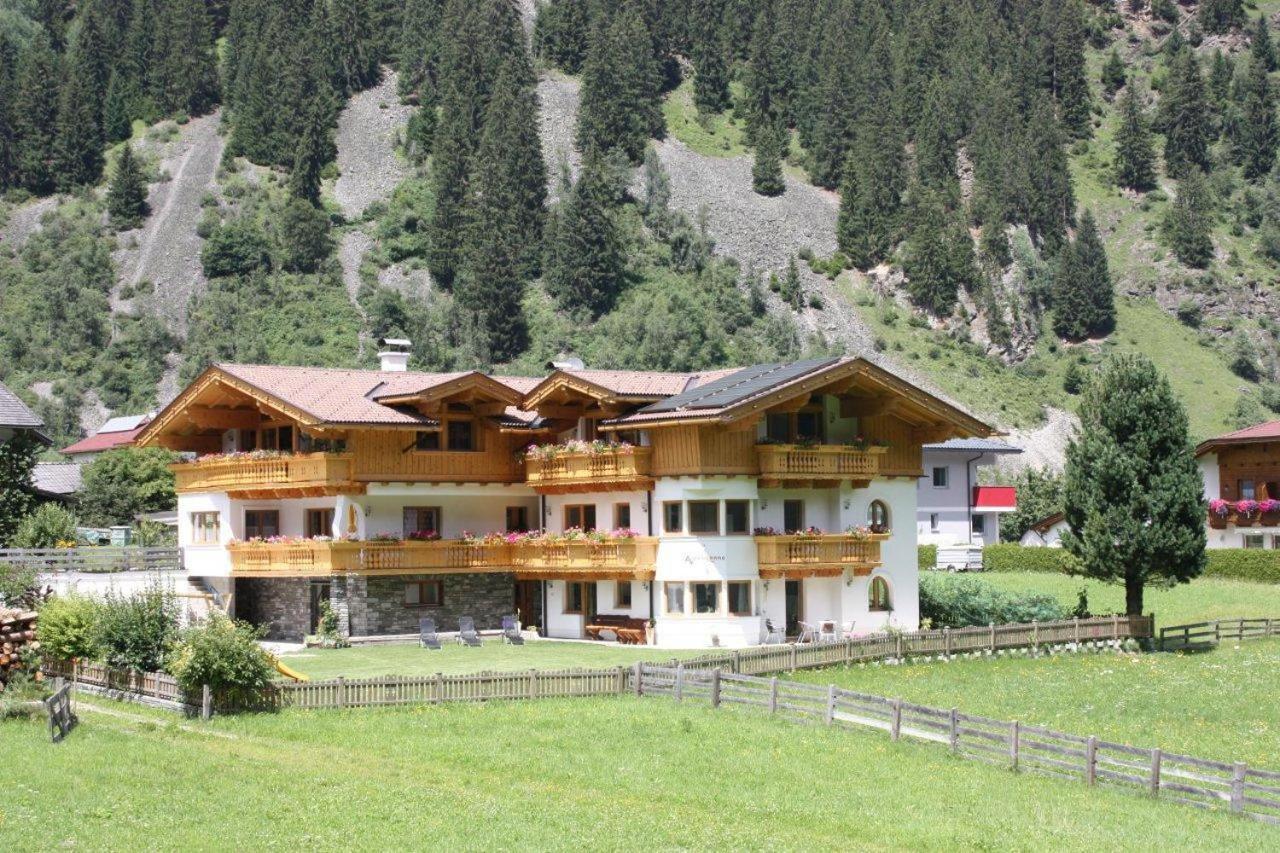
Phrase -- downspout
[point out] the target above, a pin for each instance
(542, 525)
(648, 497)
(968, 492)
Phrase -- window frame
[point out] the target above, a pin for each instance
(717, 588)
(786, 505)
(877, 527)
(427, 441)
(979, 524)
(472, 435)
(1258, 538)
(436, 585)
(199, 531)
(746, 518)
(309, 530)
(874, 602)
(622, 515)
(569, 588)
(945, 471)
(728, 589)
(667, 508)
(703, 504)
(261, 534)
(439, 513)
(583, 511)
(618, 595)
(675, 586)
(935, 522)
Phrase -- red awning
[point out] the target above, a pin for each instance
(995, 498)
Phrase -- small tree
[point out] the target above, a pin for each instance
(225, 655)
(1132, 492)
(50, 526)
(68, 629)
(1113, 74)
(17, 498)
(766, 172)
(127, 194)
(1189, 222)
(1135, 151)
(122, 483)
(138, 631)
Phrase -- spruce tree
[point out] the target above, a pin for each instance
(1083, 295)
(417, 48)
(355, 50)
(871, 191)
(1220, 16)
(127, 194)
(1070, 85)
(1113, 74)
(711, 73)
(304, 236)
(1132, 492)
(450, 170)
(1261, 47)
(938, 256)
(561, 33)
(79, 136)
(936, 143)
(1185, 117)
(619, 106)
(1188, 225)
(182, 74)
(1135, 150)
(35, 115)
(766, 171)
(1255, 134)
(789, 289)
(1221, 73)
(315, 149)
(1049, 200)
(585, 264)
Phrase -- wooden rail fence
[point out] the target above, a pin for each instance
(94, 559)
(1186, 779)
(1207, 635)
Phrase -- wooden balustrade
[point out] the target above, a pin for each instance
(296, 475)
(591, 472)
(585, 559)
(794, 465)
(817, 556)
(1219, 521)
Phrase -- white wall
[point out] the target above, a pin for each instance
(951, 503)
(212, 560)
(899, 561)
(1051, 538)
(477, 509)
(604, 504)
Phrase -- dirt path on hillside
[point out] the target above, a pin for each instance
(368, 129)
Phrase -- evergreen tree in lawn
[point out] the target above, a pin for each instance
(1083, 296)
(711, 73)
(417, 48)
(1261, 48)
(1255, 134)
(766, 171)
(1132, 491)
(619, 104)
(79, 136)
(1135, 150)
(1185, 117)
(127, 194)
(1220, 16)
(585, 263)
(871, 191)
(938, 256)
(1048, 196)
(1113, 74)
(1071, 86)
(35, 115)
(1188, 225)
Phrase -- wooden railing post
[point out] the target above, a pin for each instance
(992, 627)
(206, 702)
(715, 687)
(637, 679)
(342, 692)
(1115, 626)
(1015, 743)
(1237, 787)
(439, 688)
(1091, 761)
(831, 704)
(737, 662)
(946, 642)
(1035, 637)
(679, 689)
(1153, 782)
(895, 722)
(1217, 632)
(533, 684)
(793, 657)
(1075, 630)
(953, 734)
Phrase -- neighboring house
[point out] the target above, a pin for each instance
(15, 417)
(394, 495)
(1046, 533)
(1242, 484)
(59, 481)
(117, 432)
(951, 508)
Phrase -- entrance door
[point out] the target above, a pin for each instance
(528, 602)
(319, 594)
(589, 605)
(794, 608)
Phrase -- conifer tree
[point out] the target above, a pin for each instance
(711, 74)
(355, 50)
(116, 122)
(315, 149)
(1219, 16)
(127, 194)
(585, 264)
(766, 171)
(789, 289)
(938, 256)
(561, 33)
(79, 137)
(1113, 74)
(1049, 198)
(35, 115)
(304, 236)
(935, 141)
(1133, 494)
(450, 169)
(417, 48)
(1083, 295)
(1221, 73)
(1070, 85)
(871, 191)
(1189, 223)
(1255, 134)
(182, 75)
(619, 105)
(1135, 151)
(1184, 117)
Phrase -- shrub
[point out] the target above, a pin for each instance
(67, 628)
(958, 601)
(927, 556)
(1247, 564)
(18, 585)
(50, 526)
(1011, 557)
(225, 655)
(138, 631)
(236, 248)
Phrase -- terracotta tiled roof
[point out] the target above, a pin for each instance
(101, 441)
(1249, 435)
(636, 383)
(334, 395)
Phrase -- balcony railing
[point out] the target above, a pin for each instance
(1218, 521)
(590, 472)
(788, 463)
(806, 556)
(296, 475)
(539, 559)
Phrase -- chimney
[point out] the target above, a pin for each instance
(566, 362)
(394, 355)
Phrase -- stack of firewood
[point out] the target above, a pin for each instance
(17, 636)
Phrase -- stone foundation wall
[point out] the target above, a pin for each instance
(282, 605)
(486, 597)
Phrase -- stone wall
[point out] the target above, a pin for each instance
(486, 597)
(282, 605)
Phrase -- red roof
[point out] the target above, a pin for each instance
(1249, 435)
(995, 497)
(103, 441)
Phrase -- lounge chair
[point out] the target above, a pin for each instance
(511, 631)
(773, 633)
(427, 636)
(467, 631)
(808, 633)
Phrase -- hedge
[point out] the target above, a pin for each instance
(1012, 557)
(928, 556)
(1246, 564)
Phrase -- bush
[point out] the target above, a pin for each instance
(237, 248)
(1246, 564)
(138, 631)
(225, 655)
(67, 628)
(1011, 557)
(19, 585)
(927, 556)
(958, 601)
(50, 526)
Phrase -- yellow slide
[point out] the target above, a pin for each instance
(287, 672)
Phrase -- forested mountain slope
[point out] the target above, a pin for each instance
(991, 194)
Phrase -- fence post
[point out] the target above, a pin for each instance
(679, 691)
(1217, 632)
(897, 646)
(533, 684)
(1075, 630)
(715, 687)
(342, 692)
(637, 679)
(1035, 637)
(773, 695)
(1115, 626)
(737, 662)
(1237, 787)
(1091, 760)
(831, 704)
(954, 733)
(992, 627)
(895, 723)
(206, 702)
(1015, 743)
(946, 643)
(622, 679)
(439, 688)
(793, 657)
(1154, 783)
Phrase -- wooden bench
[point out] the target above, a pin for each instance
(628, 630)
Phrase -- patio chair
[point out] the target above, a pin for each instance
(827, 631)
(774, 634)
(511, 631)
(427, 636)
(467, 634)
(808, 633)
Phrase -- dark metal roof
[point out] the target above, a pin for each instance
(14, 412)
(974, 445)
(738, 386)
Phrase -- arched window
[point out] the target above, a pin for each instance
(878, 517)
(878, 600)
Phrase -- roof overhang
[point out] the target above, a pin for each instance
(569, 386)
(1215, 444)
(486, 396)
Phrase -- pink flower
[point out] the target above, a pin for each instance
(1218, 506)
(1246, 507)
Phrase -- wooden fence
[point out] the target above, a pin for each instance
(156, 688)
(1207, 635)
(1009, 743)
(94, 559)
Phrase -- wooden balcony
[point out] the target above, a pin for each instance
(823, 465)
(1218, 521)
(286, 476)
(591, 472)
(539, 560)
(794, 557)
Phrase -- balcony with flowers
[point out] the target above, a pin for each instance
(1244, 513)
(587, 466)
(260, 474)
(808, 463)
(814, 553)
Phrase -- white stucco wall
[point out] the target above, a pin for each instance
(604, 503)
(951, 504)
(1051, 538)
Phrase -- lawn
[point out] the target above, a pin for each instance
(451, 659)
(607, 774)
(1219, 704)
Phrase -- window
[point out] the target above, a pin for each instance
(261, 523)
(318, 522)
(460, 435)
(878, 517)
(204, 528)
(573, 597)
(792, 516)
(308, 444)
(581, 516)
(426, 440)
(622, 598)
(1248, 490)
(740, 598)
(737, 517)
(622, 516)
(517, 519)
(1254, 540)
(879, 598)
(980, 524)
(809, 426)
(672, 517)
(704, 517)
(673, 597)
(706, 597)
(933, 522)
(248, 439)
(1275, 541)
(941, 477)
(777, 427)
(1273, 490)
(276, 438)
(424, 593)
(422, 519)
